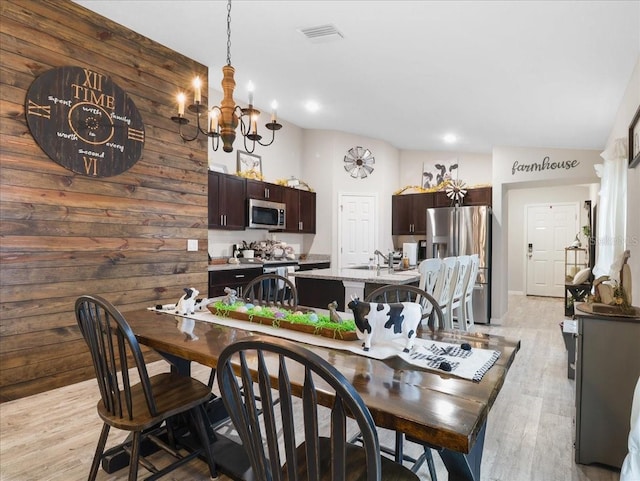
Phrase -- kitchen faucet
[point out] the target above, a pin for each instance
(378, 253)
(388, 259)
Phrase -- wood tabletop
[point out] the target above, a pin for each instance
(434, 407)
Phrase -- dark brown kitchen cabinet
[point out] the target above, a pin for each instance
(440, 199)
(409, 213)
(307, 266)
(257, 189)
(227, 205)
(233, 278)
(301, 211)
(477, 196)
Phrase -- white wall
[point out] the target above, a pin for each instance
(630, 102)
(323, 165)
(282, 159)
(506, 177)
(518, 199)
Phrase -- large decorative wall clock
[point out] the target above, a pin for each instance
(358, 162)
(84, 121)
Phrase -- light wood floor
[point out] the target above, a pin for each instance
(52, 436)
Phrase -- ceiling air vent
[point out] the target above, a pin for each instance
(321, 33)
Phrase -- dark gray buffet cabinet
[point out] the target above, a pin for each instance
(607, 369)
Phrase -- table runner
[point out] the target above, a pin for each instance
(431, 355)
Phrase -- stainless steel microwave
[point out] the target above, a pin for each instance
(264, 214)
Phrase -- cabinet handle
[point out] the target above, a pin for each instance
(300, 225)
(266, 193)
(221, 219)
(240, 276)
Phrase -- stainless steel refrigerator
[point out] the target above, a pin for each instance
(466, 230)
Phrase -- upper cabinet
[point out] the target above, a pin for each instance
(228, 196)
(408, 212)
(257, 189)
(301, 211)
(227, 201)
(479, 196)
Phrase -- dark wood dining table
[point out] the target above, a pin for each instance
(433, 407)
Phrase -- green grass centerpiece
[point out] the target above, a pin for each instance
(300, 320)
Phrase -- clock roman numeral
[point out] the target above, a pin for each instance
(39, 110)
(135, 134)
(90, 165)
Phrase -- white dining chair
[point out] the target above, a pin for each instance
(445, 285)
(456, 295)
(467, 305)
(430, 270)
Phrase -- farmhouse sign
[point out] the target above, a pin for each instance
(546, 164)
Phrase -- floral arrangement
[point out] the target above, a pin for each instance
(296, 183)
(250, 174)
(612, 294)
(417, 189)
(620, 298)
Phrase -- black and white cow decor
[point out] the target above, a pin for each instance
(386, 321)
(187, 303)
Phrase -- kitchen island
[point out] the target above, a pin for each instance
(319, 287)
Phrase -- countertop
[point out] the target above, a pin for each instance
(372, 276)
(315, 259)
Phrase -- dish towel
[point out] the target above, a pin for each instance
(281, 271)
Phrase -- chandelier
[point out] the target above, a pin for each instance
(222, 121)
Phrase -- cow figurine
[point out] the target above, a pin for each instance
(379, 320)
(187, 303)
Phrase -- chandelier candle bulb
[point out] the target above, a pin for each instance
(197, 92)
(274, 106)
(181, 100)
(254, 124)
(250, 88)
(213, 121)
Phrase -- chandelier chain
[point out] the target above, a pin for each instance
(229, 32)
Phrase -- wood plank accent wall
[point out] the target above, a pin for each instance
(63, 235)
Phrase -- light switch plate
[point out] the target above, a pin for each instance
(192, 245)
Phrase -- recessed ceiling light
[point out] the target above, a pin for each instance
(312, 106)
(449, 138)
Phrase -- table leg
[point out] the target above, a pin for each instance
(230, 457)
(179, 365)
(465, 467)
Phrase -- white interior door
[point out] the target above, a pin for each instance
(358, 228)
(550, 228)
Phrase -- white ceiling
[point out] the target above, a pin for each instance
(521, 73)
